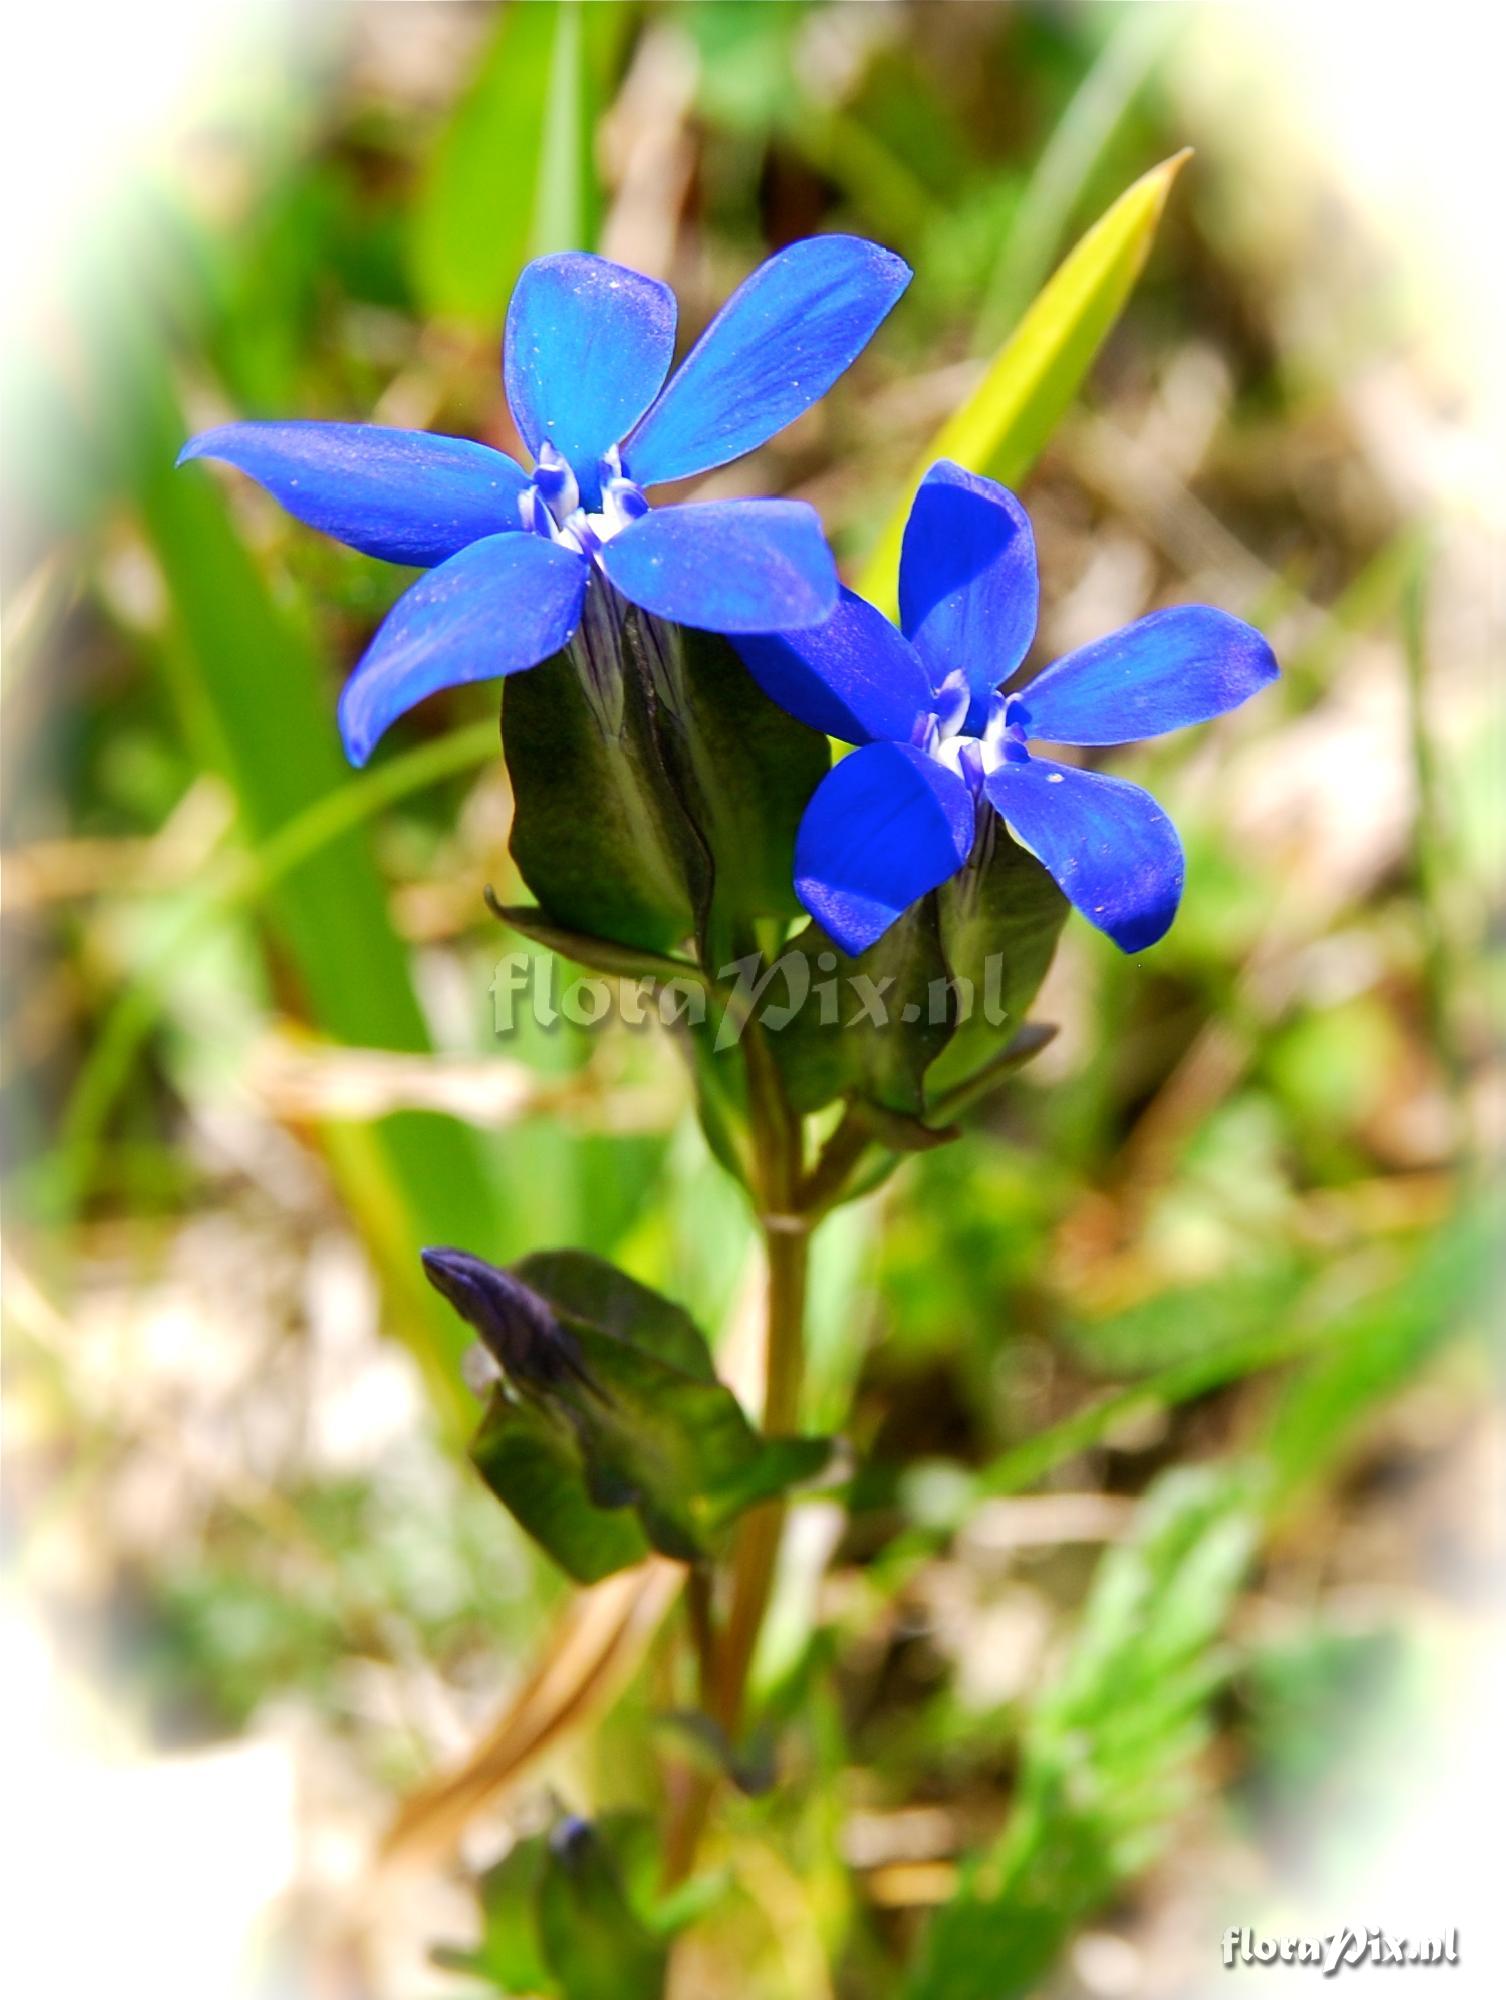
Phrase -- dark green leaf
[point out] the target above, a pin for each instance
(509, 1954)
(744, 768)
(678, 1449)
(871, 1026)
(594, 1941)
(610, 1431)
(1000, 919)
(590, 1289)
(599, 833)
(531, 1460)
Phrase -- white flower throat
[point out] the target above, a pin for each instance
(551, 505)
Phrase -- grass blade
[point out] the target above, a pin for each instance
(255, 697)
(512, 176)
(1109, 1752)
(1061, 174)
(1003, 425)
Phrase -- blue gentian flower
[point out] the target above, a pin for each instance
(941, 742)
(510, 553)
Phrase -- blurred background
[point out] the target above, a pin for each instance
(1238, 1215)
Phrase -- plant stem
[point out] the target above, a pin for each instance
(787, 1249)
(825, 1183)
(702, 1629)
(779, 1172)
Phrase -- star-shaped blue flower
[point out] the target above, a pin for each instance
(510, 553)
(940, 742)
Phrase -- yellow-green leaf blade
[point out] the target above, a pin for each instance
(1003, 425)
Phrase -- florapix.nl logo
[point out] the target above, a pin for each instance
(529, 987)
(1340, 1949)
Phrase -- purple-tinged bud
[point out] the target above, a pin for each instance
(571, 1837)
(517, 1327)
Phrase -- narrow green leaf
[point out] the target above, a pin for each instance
(1133, 47)
(1003, 425)
(566, 206)
(600, 954)
(247, 880)
(511, 176)
(258, 699)
(1381, 1345)
(745, 771)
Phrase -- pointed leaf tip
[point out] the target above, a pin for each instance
(1002, 427)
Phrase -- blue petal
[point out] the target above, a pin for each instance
(588, 346)
(776, 347)
(852, 677)
(500, 605)
(968, 591)
(728, 565)
(406, 496)
(884, 826)
(1111, 849)
(1163, 672)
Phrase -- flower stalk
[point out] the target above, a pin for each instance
(786, 1237)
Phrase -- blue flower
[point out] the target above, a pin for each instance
(940, 742)
(510, 553)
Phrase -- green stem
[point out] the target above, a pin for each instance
(698, 1608)
(778, 1187)
(839, 1160)
(788, 1252)
(756, 1553)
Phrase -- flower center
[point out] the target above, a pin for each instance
(551, 505)
(972, 754)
